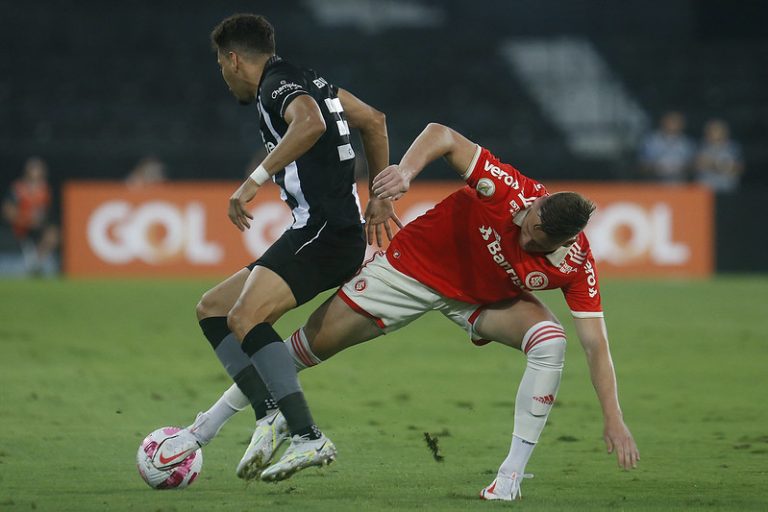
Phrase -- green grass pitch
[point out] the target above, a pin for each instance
(87, 368)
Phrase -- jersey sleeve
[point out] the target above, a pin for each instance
(583, 292)
(280, 88)
(497, 182)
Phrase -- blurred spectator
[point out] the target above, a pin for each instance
(27, 208)
(148, 171)
(667, 154)
(718, 162)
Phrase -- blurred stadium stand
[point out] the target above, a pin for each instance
(94, 86)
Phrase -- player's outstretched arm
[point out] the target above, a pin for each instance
(305, 127)
(373, 132)
(434, 142)
(618, 438)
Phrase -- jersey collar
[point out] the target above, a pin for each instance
(555, 257)
(270, 62)
(520, 217)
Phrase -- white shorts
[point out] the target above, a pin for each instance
(393, 299)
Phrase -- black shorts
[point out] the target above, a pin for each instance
(311, 260)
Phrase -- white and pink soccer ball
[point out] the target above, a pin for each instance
(177, 476)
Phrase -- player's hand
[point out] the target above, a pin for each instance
(391, 183)
(238, 213)
(378, 213)
(619, 439)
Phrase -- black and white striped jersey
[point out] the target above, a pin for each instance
(319, 186)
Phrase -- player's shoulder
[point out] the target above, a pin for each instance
(497, 181)
(575, 259)
(277, 62)
(487, 163)
(278, 68)
(583, 241)
(487, 156)
(580, 251)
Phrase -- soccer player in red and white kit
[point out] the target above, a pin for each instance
(476, 257)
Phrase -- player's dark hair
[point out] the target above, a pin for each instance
(565, 214)
(244, 32)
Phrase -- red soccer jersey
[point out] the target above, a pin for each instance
(467, 247)
(32, 203)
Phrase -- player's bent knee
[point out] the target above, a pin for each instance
(201, 309)
(209, 306)
(238, 322)
(241, 319)
(544, 345)
(549, 355)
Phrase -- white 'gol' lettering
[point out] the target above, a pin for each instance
(154, 232)
(651, 235)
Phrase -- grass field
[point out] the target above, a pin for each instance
(87, 368)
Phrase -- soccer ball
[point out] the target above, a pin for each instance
(179, 475)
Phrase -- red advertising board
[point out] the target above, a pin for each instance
(182, 229)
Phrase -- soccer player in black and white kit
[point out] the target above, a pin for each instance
(305, 122)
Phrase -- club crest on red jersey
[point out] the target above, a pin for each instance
(536, 280)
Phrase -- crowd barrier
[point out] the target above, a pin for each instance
(182, 229)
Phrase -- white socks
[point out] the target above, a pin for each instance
(207, 424)
(544, 344)
(519, 453)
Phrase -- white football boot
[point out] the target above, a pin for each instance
(175, 449)
(302, 453)
(506, 488)
(271, 431)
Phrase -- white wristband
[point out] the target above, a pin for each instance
(260, 175)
